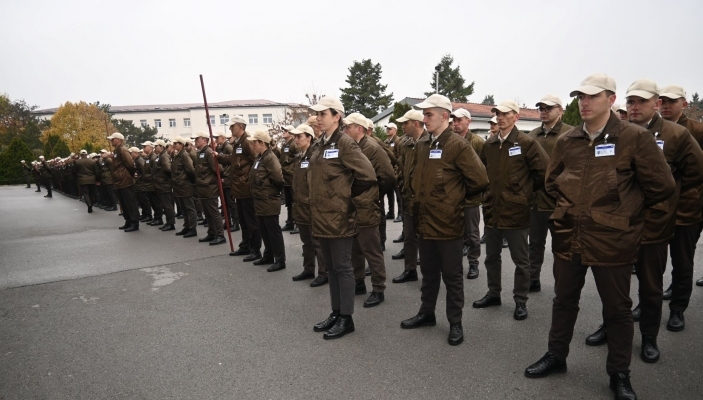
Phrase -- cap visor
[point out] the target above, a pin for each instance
(589, 90)
(402, 119)
(639, 93)
(672, 96)
(547, 103)
(503, 109)
(319, 107)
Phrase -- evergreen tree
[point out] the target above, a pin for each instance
(572, 116)
(399, 109)
(55, 147)
(10, 167)
(135, 135)
(489, 100)
(365, 93)
(451, 83)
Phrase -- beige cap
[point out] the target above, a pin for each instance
(412, 115)
(507, 106)
(370, 124)
(312, 121)
(201, 134)
(160, 142)
(288, 128)
(643, 88)
(84, 151)
(41, 157)
(595, 84)
(622, 107)
(181, 140)
(225, 134)
(237, 119)
(673, 92)
(391, 125)
(103, 151)
(116, 135)
(356, 118)
(134, 150)
(260, 135)
(327, 102)
(436, 100)
(303, 128)
(494, 120)
(550, 100)
(461, 113)
(147, 143)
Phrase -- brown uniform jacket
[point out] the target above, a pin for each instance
(368, 208)
(205, 176)
(599, 216)
(225, 170)
(161, 169)
(122, 168)
(139, 183)
(287, 159)
(301, 188)
(266, 180)
(406, 168)
(105, 171)
(476, 143)
(541, 199)
(338, 172)
(182, 174)
(515, 170)
(685, 158)
(85, 171)
(386, 148)
(394, 145)
(689, 211)
(45, 170)
(440, 185)
(241, 160)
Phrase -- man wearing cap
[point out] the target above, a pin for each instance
(391, 155)
(241, 160)
(182, 178)
(366, 246)
(338, 173)
(106, 181)
(287, 159)
(305, 142)
(542, 204)
(36, 175)
(447, 173)
(193, 153)
(84, 173)
(622, 112)
(161, 171)
(688, 216)
(312, 122)
(207, 189)
(472, 211)
(26, 170)
(224, 147)
(685, 159)
(603, 174)
(414, 129)
(45, 173)
(493, 128)
(143, 182)
(153, 197)
(515, 164)
(393, 141)
(122, 175)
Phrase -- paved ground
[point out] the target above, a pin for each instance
(89, 312)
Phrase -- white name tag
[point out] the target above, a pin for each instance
(304, 164)
(147, 161)
(660, 143)
(331, 153)
(605, 150)
(238, 151)
(392, 144)
(286, 149)
(435, 154)
(256, 165)
(202, 155)
(157, 159)
(515, 151)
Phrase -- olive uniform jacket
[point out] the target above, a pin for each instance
(241, 161)
(266, 180)
(122, 168)
(85, 171)
(162, 173)
(205, 174)
(140, 184)
(105, 171)
(182, 174)
(225, 170)
(406, 168)
(690, 208)
(476, 143)
(301, 188)
(547, 140)
(368, 207)
(287, 159)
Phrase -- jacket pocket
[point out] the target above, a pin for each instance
(439, 181)
(612, 221)
(515, 198)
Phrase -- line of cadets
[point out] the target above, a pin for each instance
(612, 193)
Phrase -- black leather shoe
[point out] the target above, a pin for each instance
(456, 334)
(367, 272)
(132, 228)
(326, 324)
(200, 218)
(418, 321)
(399, 255)
(535, 286)
(48, 196)
(157, 222)
(620, 385)
(90, 209)
(650, 351)
(126, 225)
(383, 247)
(288, 227)
(406, 276)
(676, 322)
(277, 266)
(505, 243)
(374, 299)
(360, 288)
(295, 231)
(699, 282)
(182, 232)
(234, 228)
(473, 272)
(146, 218)
(252, 256)
(667, 293)
(344, 325)
(242, 251)
(487, 301)
(319, 281)
(263, 261)
(598, 337)
(465, 251)
(546, 365)
(520, 311)
(303, 276)
(179, 216)
(483, 239)
(218, 240)
(190, 234)
(168, 227)
(399, 218)
(636, 313)
(208, 238)
(399, 239)
(390, 215)
(37, 191)
(203, 222)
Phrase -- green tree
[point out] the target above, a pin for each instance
(380, 132)
(572, 116)
(10, 167)
(451, 83)
(365, 93)
(488, 100)
(55, 147)
(135, 135)
(90, 148)
(17, 120)
(696, 102)
(399, 109)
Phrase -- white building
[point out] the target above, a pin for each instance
(174, 120)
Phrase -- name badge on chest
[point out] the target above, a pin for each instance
(605, 150)
(157, 158)
(147, 161)
(304, 164)
(202, 155)
(392, 144)
(238, 150)
(256, 165)
(435, 154)
(286, 149)
(331, 153)
(660, 143)
(515, 151)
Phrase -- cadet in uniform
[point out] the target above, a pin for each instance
(122, 175)
(110, 199)
(182, 178)
(394, 162)
(393, 141)
(141, 186)
(26, 171)
(287, 159)
(207, 189)
(161, 171)
(224, 147)
(45, 172)
(85, 171)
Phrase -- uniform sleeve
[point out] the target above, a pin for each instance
(356, 161)
(166, 165)
(690, 162)
(384, 171)
(211, 162)
(473, 171)
(554, 169)
(537, 162)
(652, 171)
(275, 172)
(188, 167)
(127, 160)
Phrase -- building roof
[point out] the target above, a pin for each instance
(476, 110)
(182, 106)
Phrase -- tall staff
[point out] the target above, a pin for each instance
(217, 170)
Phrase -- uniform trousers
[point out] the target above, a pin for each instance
(442, 260)
(683, 248)
(187, 207)
(166, 200)
(517, 244)
(231, 206)
(472, 234)
(144, 203)
(251, 235)
(409, 243)
(27, 181)
(212, 213)
(130, 209)
(272, 236)
(47, 184)
(382, 223)
(288, 196)
(156, 205)
(539, 226)
(336, 252)
(311, 251)
(110, 197)
(87, 192)
(367, 247)
(613, 284)
(650, 266)
(391, 203)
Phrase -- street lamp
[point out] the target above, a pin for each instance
(437, 70)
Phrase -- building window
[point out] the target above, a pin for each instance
(212, 120)
(172, 123)
(186, 122)
(157, 123)
(253, 119)
(224, 119)
(142, 122)
(268, 118)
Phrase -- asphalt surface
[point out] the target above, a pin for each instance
(90, 312)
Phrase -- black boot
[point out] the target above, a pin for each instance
(598, 337)
(546, 365)
(134, 227)
(168, 227)
(399, 255)
(406, 276)
(277, 266)
(650, 351)
(327, 324)
(344, 325)
(473, 271)
(360, 288)
(620, 385)
(399, 239)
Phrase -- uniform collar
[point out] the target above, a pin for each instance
(612, 128)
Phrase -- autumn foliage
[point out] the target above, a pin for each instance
(78, 124)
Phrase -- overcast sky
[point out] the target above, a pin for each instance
(151, 52)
